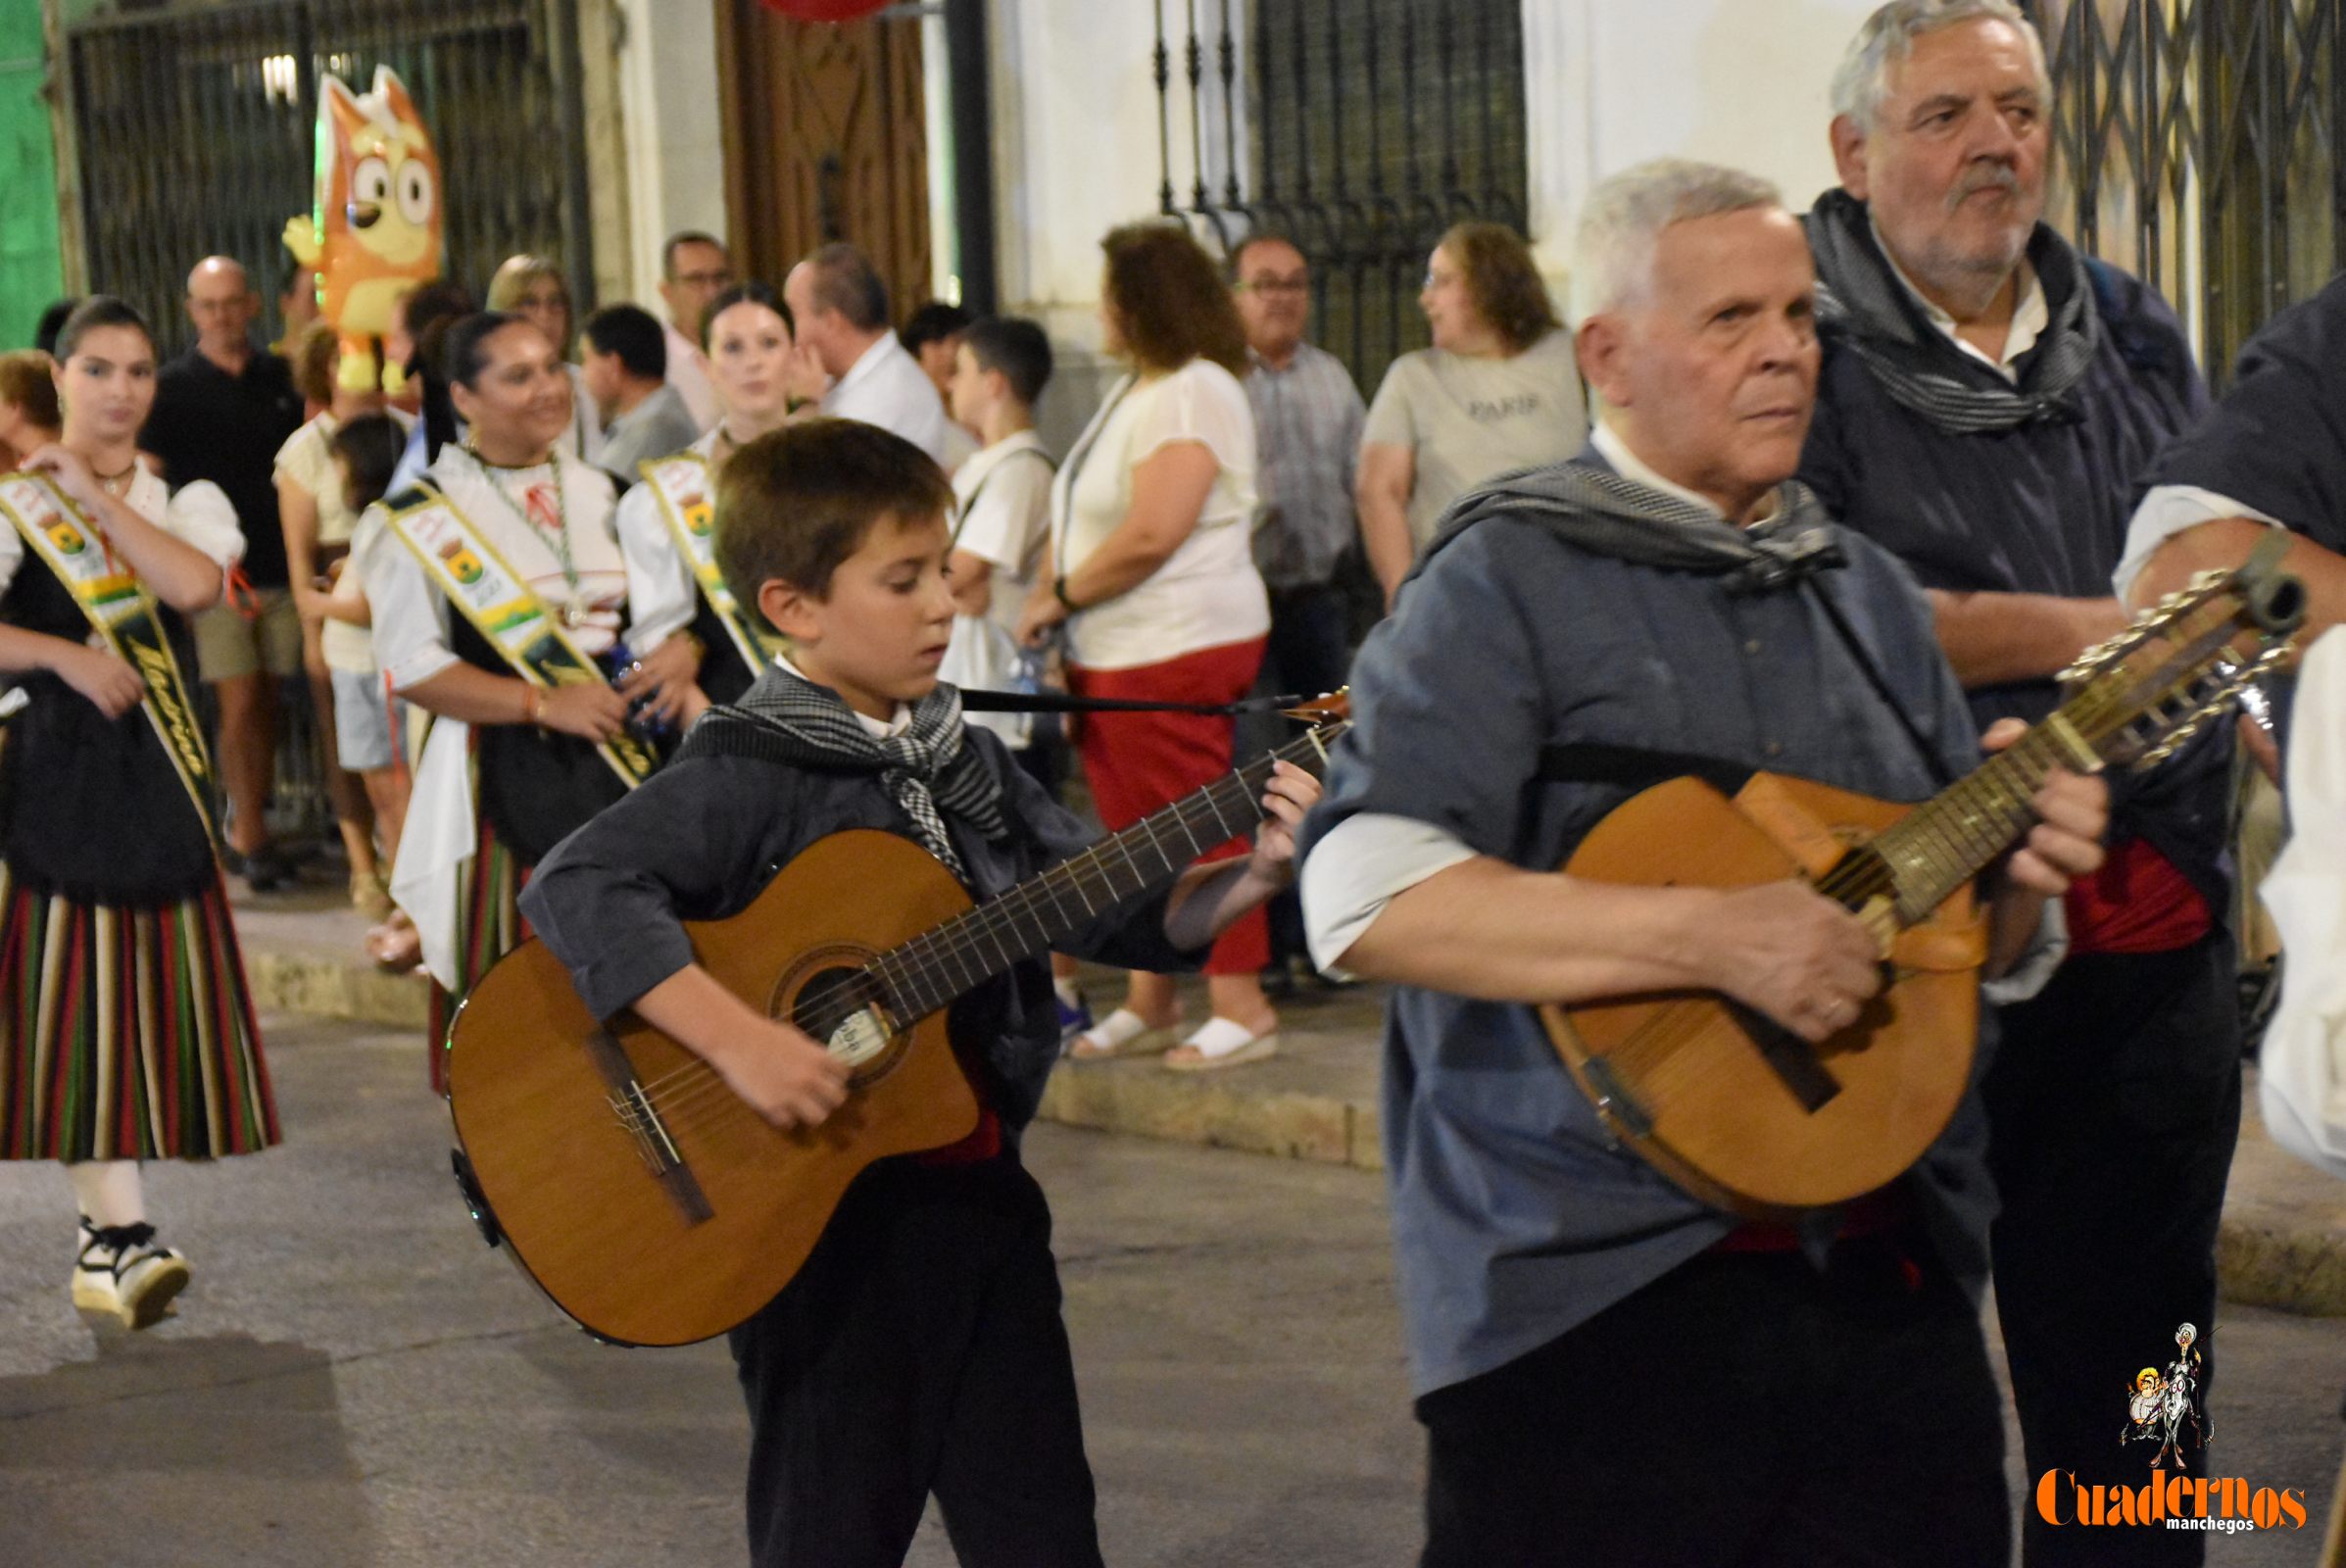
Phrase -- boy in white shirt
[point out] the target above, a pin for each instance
(1001, 503)
(1002, 498)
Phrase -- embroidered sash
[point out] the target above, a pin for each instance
(681, 485)
(123, 614)
(506, 610)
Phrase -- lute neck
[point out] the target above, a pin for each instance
(1037, 916)
(1946, 842)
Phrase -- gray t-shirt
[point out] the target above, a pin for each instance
(656, 428)
(1466, 419)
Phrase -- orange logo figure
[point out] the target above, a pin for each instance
(375, 233)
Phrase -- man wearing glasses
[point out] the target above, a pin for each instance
(1307, 423)
(694, 269)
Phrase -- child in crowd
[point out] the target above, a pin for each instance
(920, 1348)
(1002, 499)
(370, 729)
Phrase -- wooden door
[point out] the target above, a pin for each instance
(825, 139)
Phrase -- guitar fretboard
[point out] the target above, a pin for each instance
(932, 968)
(1951, 839)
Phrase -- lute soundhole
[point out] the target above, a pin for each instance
(833, 996)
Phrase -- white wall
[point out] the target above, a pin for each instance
(1075, 154)
(1607, 83)
(676, 138)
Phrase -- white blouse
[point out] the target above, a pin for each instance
(197, 514)
(1207, 593)
(411, 613)
(663, 594)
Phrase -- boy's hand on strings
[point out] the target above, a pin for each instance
(1290, 794)
(784, 1074)
(109, 683)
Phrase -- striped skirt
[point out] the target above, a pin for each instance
(129, 1032)
(488, 926)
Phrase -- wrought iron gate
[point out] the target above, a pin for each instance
(194, 131)
(2196, 143)
(1372, 126)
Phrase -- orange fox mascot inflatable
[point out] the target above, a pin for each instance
(375, 233)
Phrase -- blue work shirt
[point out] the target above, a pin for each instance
(1516, 1216)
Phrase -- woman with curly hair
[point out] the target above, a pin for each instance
(1150, 568)
(1499, 390)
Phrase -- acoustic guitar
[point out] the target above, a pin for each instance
(656, 1207)
(1751, 1118)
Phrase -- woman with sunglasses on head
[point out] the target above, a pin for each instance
(533, 288)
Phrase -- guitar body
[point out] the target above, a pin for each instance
(673, 1218)
(1740, 1114)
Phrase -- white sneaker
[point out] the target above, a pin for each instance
(123, 1273)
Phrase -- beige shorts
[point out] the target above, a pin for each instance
(228, 646)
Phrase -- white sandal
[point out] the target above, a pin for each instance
(1221, 1043)
(1122, 1033)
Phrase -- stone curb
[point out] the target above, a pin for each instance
(2266, 1255)
(320, 986)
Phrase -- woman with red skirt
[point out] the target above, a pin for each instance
(1151, 570)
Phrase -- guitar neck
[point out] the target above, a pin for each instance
(1949, 840)
(2116, 714)
(1040, 913)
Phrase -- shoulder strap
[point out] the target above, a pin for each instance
(1634, 768)
(961, 518)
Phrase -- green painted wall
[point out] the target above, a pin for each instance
(30, 271)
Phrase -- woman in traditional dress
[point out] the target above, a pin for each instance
(684, 645)
(129, 1035)
(512, 765)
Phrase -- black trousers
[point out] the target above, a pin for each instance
(2114, 1105)
(919, 1351)
(1742, 1410)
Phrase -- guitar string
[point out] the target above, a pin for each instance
(1859, 878)
(1952, 839)
(1948, 840)
(1991, 785)
(964, 936)
(1100, 875)
(1855, 880)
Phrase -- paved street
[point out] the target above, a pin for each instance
(355, 1381)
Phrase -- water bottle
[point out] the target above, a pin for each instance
(619, 662)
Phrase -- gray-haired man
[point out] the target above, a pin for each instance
(1989, 405)
(1609, 1370)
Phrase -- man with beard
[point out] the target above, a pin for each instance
(1988, 405)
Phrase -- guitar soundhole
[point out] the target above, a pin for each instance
(835, 999)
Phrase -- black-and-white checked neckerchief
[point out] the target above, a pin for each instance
(1605, 514)
(929, 768)
(1861, 302)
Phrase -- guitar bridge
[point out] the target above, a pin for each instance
(641, 1119)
